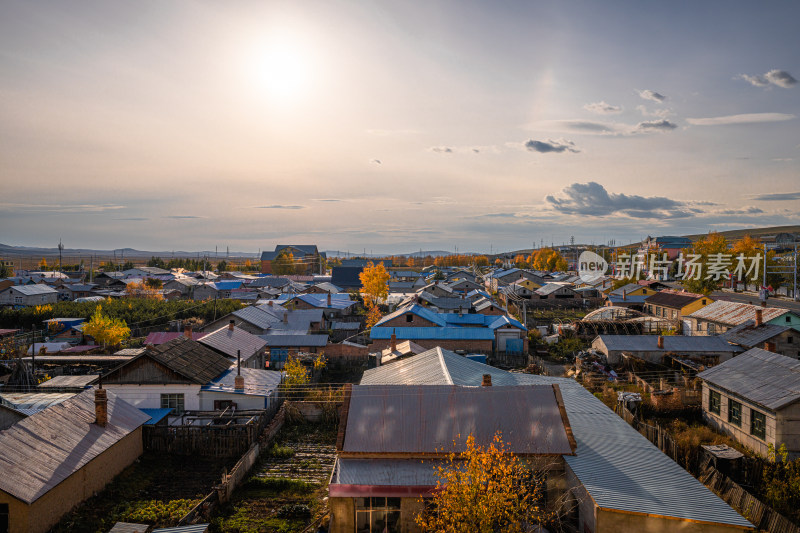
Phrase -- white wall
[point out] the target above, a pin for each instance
(242, 401)
(149, 396)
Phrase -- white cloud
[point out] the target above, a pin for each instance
(779, 78)
(653, 96)
(748, 118)
(602, 108)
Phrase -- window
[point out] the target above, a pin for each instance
(221, 405)
(409, 317)
(788, 319)
(735, 413)
(790, 340)
(704, 302)
(714, 402)
(172, 401)
(377, 515)
(758, 424)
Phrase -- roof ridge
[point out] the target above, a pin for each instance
(444, 365)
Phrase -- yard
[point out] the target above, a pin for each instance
(157, 489)
(285, 491)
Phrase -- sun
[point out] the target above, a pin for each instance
(284, 70)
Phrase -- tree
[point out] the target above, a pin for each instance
(5, 270)
(143, 290)
(106, 330)
(482, 261)
(751, 248)
(222, 266)
(483, 490)
(374, 283)
(699, 281)
(283, 264)
(156, 262)
(43, 264)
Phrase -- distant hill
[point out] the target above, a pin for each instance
(753, 232)
(432, 253)
(11, 251)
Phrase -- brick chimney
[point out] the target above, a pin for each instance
(624, 295)
(238, 381)
(487, 380)
(329, 299)
(187, 332)
(759, 317)
(394, 342)
(231, 324)
(660, 342)
(286, 317)
(269, 303)
(101, 407)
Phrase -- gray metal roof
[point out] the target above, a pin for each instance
(384, 473)
(69, 381)
(39, 452)
(749, 336)
(195, 528)
(299, 341)
(33, 290)
(735, 313)
(619, 467)
(257, 382)
(230, 341)
(760, 376)
(672, 343)
(129, 527)
(414, 419)
(33, 402)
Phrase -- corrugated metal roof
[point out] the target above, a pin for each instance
(451, 333)
(232, 341)
(338, 301)
(414, 419)
(69, 381)
(33, 290)
(385, 472)
(415, 309)
(196, 528)
(190, 359)
(39, 452)
(735, 313)
(160, 337)
(257, 382)
(672, 343)
(279, 341)
(619, 467)
(156, 414)
(749, 336)
(129, 527)
(33, 402)
(762, 377)
(675, 299)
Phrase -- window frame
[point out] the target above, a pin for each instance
(376, 510)
(176, 398)
(714, 407)
(760, 433)
(734, 418)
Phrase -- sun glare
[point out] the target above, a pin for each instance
(284, 70)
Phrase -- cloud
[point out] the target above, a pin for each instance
(592, 199)
(279, 206)
(61, 208)
(780, 78)
(602, 108)
(748, 118)
(181, 217)
(133, 218)
(441, 149)
(660, 113)
(376, 161)
(328, 200)
(653, 96)
(550, 146)
(748, 210)
(656, 125)
(777, 197)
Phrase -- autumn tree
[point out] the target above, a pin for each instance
(135, 289)
(374, 289)
(482, 261)
(696, 277)
(43, 264)
(751, 248)
(106, 330)
(483, 490)
(283, 264)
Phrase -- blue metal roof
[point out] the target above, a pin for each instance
(156, 415)
(227, 285)
(447, 333)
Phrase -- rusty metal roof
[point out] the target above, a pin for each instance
(749, 335)
(735, 313)
(430, 419)
(41, 451)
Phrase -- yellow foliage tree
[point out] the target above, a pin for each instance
(43, 264)
(374, 289)
(106, 330)
(143, 290)
(483, 490)
(712, 244)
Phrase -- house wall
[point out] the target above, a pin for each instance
(45, 512)
(202, 292)
(609, 521)
(471, 346)
(615, 357)
(742, 434)
(242, 401)
(9, 297)
(149, 396)
(343, 513)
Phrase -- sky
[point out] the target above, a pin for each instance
(394, 126)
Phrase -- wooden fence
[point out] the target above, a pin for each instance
(761, 515)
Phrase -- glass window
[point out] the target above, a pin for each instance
(734, 413)
(172, 401)
(714, 402)
(377, 515)
(758, 424)
(4, 518)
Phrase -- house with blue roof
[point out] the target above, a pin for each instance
(460, 332)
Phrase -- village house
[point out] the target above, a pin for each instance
(754, 398)
(718, 317)
(28, 295)
(271, 318)
(783, 340)
(57, 458)
(556, 291)
(307, 256)
(654, 348)
(606, 489)
(242, 389)
(237, 345)
(669, 245)
(675, 305)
